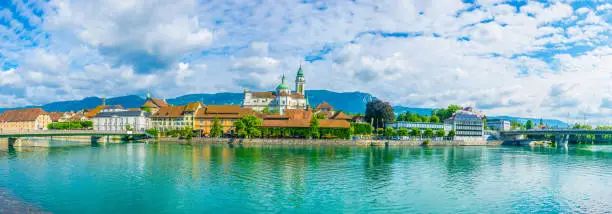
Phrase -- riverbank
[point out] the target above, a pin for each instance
(260, 141)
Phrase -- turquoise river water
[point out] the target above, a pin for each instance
(166, 178)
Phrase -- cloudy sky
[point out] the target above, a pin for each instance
(524, 58)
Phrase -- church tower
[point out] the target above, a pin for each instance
(299, 81)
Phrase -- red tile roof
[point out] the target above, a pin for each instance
(193, 106)
(55, 116)
(324, 105)
(286, 123)
(341, 116)
(262, 94)
(19, 115)
(169, 112)
(334, 124)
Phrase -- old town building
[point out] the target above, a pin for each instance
(24, 120)
(226, 114)
(281, 99)
(153, 104)
(115, 118)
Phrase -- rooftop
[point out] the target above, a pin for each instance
(19, 115)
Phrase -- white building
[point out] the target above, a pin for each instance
(499, 124)
(420, 125)
(467, 123)
(118, 119)
(281, 99)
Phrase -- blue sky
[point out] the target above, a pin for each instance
(524, 58)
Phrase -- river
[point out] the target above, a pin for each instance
(169, 178)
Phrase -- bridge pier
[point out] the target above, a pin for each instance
(95, 139)
(562, 140)
(11, 142)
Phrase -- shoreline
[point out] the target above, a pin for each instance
(268, 141)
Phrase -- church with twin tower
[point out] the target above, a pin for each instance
(281, 99)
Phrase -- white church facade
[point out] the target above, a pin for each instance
(281, 99)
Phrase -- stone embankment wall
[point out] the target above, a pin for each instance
(260, 141)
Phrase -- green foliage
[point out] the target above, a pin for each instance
(186, 133)
(314, 128)
(451, 133)
(248, 126)
(426, 142)
(321, 116)
(361, 128)
(440, 133)
(415, 132)
(444, 114)
(428, 133)
(403, 132)
(128, 127)
(434, 119)
(380, 131)
(389, 132)
(153, 131)
(266, 110)
(379, 112)
(70, 125)
(529, 125)
(216, 130)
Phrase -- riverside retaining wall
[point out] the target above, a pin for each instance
(260, 141)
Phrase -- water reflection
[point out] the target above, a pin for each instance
(246, 179)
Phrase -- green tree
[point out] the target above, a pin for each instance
(266, 110)
(380, 131)
(361, 128)
(403, 132)
(529, 125)
(440, 133)
(428, 133)
(425, 119)
(248, 126)
(152, 131)
(390, 132)
(216, 130)
(378, 113)
(314, 128)
(451, 133)
(186, 133)
(415, 118)
(321, 116)
(434, 119)
(128, 127)
(415, 132)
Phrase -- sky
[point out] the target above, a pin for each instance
(549, 59)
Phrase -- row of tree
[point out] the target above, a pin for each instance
(250, 126)
(379, 112)
(70, 125)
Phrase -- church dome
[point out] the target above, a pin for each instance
(300, 73)
(282, 86)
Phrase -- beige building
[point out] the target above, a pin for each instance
(24, 120)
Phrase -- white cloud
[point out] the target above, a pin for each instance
(492, 55)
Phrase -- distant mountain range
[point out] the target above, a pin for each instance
(351, 102)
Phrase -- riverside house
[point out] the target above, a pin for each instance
(24, 120)
(227, 115)
(118, 119)
(175, 117)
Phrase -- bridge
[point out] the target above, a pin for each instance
(13, 136)
(561, 135)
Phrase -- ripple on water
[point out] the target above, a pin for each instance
(307, 179)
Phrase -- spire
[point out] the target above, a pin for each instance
(283, 80)
(148, 94)
(300, 73)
